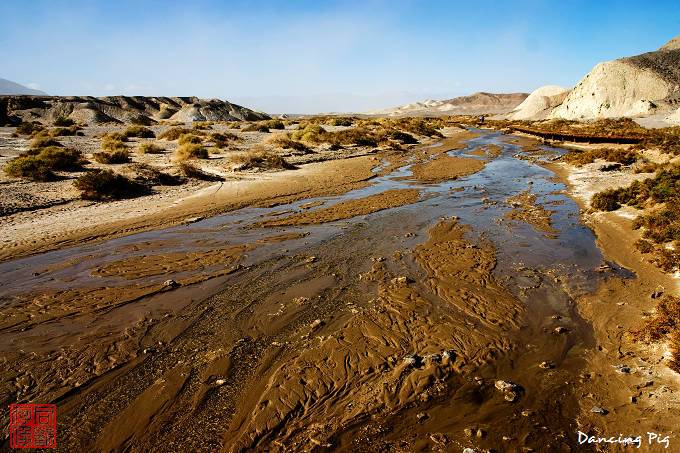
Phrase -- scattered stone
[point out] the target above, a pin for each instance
(220, 382)
(170, 284)
(469, 450)
(468, 432)
(547, 365)
(411, 360)
(603, 268)
(561, 329)
(316, 323)
(193, 219)
(421, 416)
(556, 317)
(309, 260)
(599, 410)
(508, 438)
(622, 369)
(504, 385)
(527, 413)
(301, 300)
(658, 292)
(481, 433)
(401, 280)
(510, 396)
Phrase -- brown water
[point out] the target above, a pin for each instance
(101, 328)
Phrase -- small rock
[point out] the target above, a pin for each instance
(599, 410)
(421, 416)
(468, 432)
(556, 317)
(603, 268)
(547, 365)
(193, 219)
(561, 329)
(220, 382)
(510, 396)
(508, 438)
(170, 284)
(622, 369)
(527, 413)
(401, 280)
(658, 292)
(469, 450)
(316, 323)
(448, 355)
(504, 385)
(309, 259)
(411, 360)
(481, 433)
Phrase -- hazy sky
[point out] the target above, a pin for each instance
(312, 56)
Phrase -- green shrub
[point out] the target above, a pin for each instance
(607, 200)
(139, 132)
(149, 148)
(107, 185)
(191, 151)
(62, 121)
(40, 164)
(30, 167)
(113, 157)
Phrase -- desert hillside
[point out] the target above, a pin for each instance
(473, 104)
(540, 103)
(121, 109)
(9, 87)
(638, 86)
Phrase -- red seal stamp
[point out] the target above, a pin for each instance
(33, 425)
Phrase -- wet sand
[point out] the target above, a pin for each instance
(437, 322)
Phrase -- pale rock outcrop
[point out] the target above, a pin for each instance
(540, 103)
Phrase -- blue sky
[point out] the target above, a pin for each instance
(313, 56)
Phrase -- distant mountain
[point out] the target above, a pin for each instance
(473, 104)
(121, 109)
(9, 87)
(640, 86)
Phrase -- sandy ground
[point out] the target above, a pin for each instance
(394, 333)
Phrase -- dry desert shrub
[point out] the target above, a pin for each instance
(285, 142)
(260, 159)
(664, 325)
(190, 138)
(222, 139)
(191, 151)
(44, 142)
(175, 132)
(191, 171)
(622, 156)
(149, 148)
(202, 125)
(62, 121)
(120, 156)
(255, 127)
(139, 132)
(107, 185)
(40, 164)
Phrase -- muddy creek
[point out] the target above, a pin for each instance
(413, 314)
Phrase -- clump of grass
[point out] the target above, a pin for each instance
(139, 132)
(40, 164)
(622, 156)
(222, 139)
(44, 142)
(259, 159)
(275, 124)
(255, 127)
(664, 186)
(113, 144)
(664, 325)
(311, 133)
(191, 151)
(174, 133)
(29, 128)
(63, 121)
(403, 138)
(149, 175)
(202, 125)
(339, 121)
(662, 225)
(65, 131)
(113, 157)
(234, 125)
(190, 138)
(107, 185)
(284, 141)
(119, 136)
(149, 148)
(191, 171)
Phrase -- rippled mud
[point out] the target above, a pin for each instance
(411, 314)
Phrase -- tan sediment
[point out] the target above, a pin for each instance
(444, 168)
(348, 209)
(642, 400)
(398, 350)
(108, 220)
(527, 210)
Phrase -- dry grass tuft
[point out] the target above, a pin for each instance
(191, 171)
(107, 185)
(139, 132)
(260, 159)
(40, 164)
(149, 148)
(191, 151)
(121, 156)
